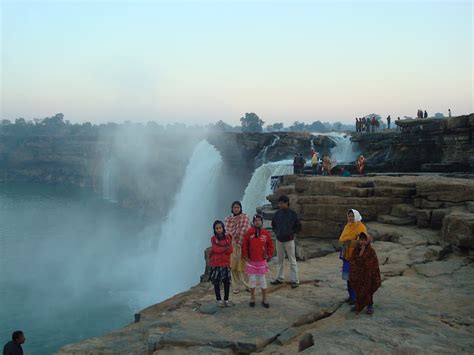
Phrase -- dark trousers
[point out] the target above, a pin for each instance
(352, 294)
(217, 289)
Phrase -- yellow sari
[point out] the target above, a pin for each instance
(348, 238)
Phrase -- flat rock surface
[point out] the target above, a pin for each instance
(425, 305)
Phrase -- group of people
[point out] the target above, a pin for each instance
(240, 253)
(367, 124)
(298, 163)
(318, 166)
(421, 114)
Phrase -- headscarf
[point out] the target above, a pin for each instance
(349, 235)
(357, 215)
(232, 208)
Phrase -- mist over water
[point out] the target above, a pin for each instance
(74, 265)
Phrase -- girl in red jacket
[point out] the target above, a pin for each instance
(219, 260)
(257, 249)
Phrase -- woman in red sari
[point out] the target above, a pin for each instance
(364, 274)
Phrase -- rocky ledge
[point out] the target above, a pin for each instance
(425, 304)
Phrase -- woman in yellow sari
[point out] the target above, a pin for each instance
(348, 241)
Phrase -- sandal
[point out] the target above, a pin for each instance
(266, 304)
(252, 303)
(370, 310)
(276, 282)
(236, 291)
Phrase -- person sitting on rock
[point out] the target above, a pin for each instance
(364, 274)
(257, 249)
(348, 241)
(236, 225)
(285, 224)
(219, 261)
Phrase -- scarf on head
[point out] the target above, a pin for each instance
(349, 235)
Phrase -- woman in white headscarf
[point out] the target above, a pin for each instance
(348, 241)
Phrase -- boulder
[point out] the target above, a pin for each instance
(458, 229)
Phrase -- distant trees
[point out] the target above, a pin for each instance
(251, 123)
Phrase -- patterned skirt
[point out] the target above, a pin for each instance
(219, 274)
(256, 267)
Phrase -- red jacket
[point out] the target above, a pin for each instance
(220, 251)
(257, 249)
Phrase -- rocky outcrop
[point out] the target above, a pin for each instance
(428, 145)
(314, 317)
(425, 201)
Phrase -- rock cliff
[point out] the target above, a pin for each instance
(428, 145)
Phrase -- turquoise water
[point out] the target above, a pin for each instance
(70, 265)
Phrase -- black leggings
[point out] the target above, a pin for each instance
(217, 289)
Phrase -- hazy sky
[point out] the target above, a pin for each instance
(201, 61)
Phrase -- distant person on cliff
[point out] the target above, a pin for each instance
(449, 112)
(257, 250)
(285, 224)
(296, 163)
(315, 163)
(425, 114)
(364, 274)
(388, 121)
(360, 164)
(326, 169)
(236, 225)
(348, 241)
(13, 347)
(219, 261)
(302, 163)
(373, 123)
(357, 124)
(398, 126)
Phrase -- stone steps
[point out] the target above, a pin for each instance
(399, 221)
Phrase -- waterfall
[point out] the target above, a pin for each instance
(262, 156)
(344, 151)
(110, 172)
(185, 234)
(259, 187)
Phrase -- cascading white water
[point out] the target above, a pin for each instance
(259, 187)
(186, 231)
(262, 156)
(344, 151)
(109, 190)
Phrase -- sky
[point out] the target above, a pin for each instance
(198, 62)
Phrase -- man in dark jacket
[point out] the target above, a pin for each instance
(296, 164)
(285, 224)
(13, 347)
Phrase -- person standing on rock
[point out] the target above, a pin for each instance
(236, 225)
(425, 115)
(315, 163)
(219, 261)
(302, 161)
(389, 119)
(364, 274)
(285, 224)
(13, 347)
(348, 241)
(257, 249)
(296, 163)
